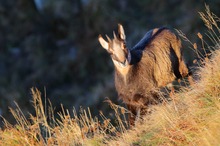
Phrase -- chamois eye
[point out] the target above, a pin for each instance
(110, 51)
(123, 45)
(114, 57)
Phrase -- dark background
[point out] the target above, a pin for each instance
(52, 45)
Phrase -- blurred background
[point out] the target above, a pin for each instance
(52, 45)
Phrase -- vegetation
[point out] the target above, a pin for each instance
(54, 47)
(191, 118)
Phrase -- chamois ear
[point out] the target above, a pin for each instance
(121, 32)
(103, 42)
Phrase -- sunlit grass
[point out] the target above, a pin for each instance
(42, 128)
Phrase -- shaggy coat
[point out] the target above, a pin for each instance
(152, 63)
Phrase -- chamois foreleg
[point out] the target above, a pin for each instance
(132, 115)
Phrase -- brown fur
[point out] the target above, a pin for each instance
(158, 62)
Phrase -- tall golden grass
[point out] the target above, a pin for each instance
(191, 118)
(42, 128)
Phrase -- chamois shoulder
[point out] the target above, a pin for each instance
(136, 51)
(148, 37)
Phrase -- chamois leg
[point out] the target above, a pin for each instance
(132, 115)
(135, 115)
(138, 115)
(177, 47)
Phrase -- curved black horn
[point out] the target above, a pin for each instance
(114, 35)
(109, 40)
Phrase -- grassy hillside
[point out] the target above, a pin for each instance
(191, 118)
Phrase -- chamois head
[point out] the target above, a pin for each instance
(116, 47)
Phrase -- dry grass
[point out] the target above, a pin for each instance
(191, 118)
(43, 129)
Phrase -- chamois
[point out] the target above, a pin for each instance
(153, 62)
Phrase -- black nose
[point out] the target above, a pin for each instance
(124, 62)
